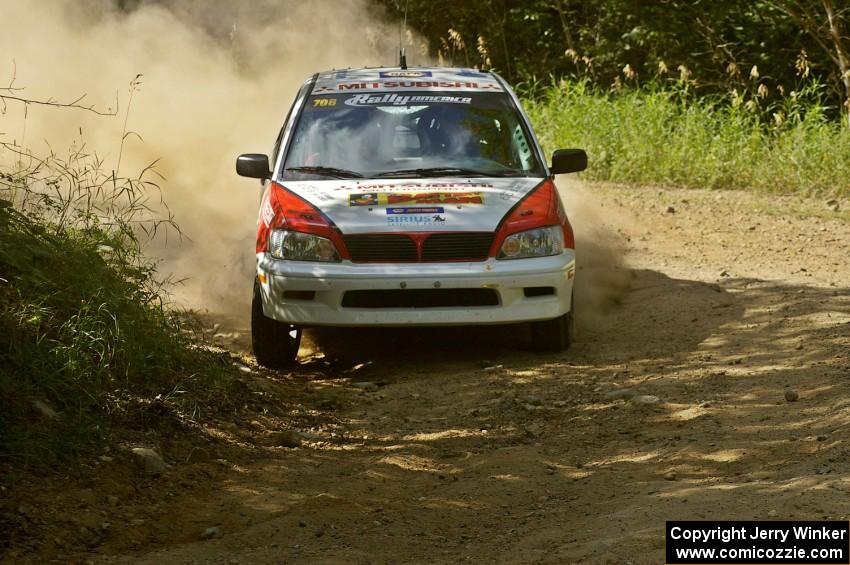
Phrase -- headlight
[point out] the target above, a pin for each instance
(539, 242)
(297, 246)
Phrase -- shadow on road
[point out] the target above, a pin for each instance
(470, 444)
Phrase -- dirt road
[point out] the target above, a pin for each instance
(439, 446)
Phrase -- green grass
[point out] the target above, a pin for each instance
(83, 324)
(665, 136)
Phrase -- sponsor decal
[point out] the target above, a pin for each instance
(436, 210)
(417, 186)
(404, 74)
(403, 198)
(435, 84)
(370, 199)
(416, 220)
(472, 74)
(267, 212)
(400, 100)
(323, 102)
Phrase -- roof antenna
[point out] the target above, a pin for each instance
(402, 58)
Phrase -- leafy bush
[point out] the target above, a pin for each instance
(83, 325)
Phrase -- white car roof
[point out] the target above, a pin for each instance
(394, 79)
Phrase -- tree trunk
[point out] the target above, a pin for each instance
(568, 36)
(505, 47)
(840, 52)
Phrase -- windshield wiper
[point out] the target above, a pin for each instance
(327, 171)
(437, 172)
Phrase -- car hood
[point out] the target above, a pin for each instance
(434, 204)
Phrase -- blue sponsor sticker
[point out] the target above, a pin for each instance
(437, 210)
(411, 220)
(404, 74)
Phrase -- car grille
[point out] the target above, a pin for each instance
(421, 298)
(398, 248)
(381, 248)
(453, 246)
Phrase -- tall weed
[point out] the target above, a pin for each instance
(84, 324)
(660, 133)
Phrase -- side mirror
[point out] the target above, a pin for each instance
(568, 161)
(253, 165)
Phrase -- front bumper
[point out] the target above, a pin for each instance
(326, 284)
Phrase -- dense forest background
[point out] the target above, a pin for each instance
(746, 94)
(718, 45)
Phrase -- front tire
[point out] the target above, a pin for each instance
(275, 344)
(553, 335)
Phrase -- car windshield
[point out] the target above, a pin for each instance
(410, 134)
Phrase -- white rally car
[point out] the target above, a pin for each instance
(409, 197)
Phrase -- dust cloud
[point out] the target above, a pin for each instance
(603, 277)
(218, 78)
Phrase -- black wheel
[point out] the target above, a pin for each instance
(553, 335)
(275, 343)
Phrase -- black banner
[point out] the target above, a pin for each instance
(757, 543)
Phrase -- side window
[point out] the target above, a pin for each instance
(522, 148)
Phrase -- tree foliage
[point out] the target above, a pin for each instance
(719, 44)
